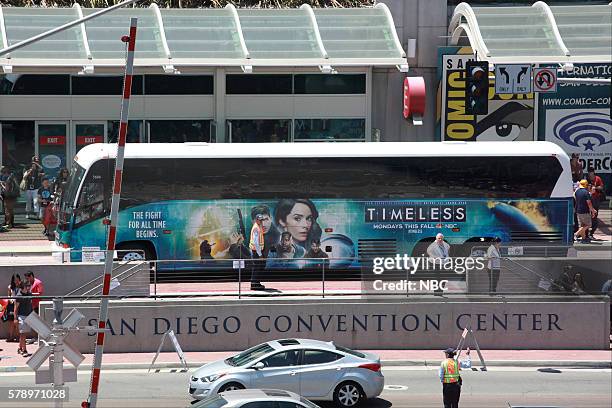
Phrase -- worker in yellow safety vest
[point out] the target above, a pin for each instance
(256, 245)
(450, 377)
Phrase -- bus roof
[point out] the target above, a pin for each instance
(92, 153)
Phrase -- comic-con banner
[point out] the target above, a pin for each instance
(510, 117)
(577, 117)
(296, 230)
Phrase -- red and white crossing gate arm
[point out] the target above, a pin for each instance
(112, 231)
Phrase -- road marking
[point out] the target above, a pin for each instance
(396, 387)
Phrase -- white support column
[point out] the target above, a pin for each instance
(162, 31)
(368, 113)
(3, 32)
(553, 23)
(221, 137)
(315, 27)
(396, 39)
(234, 12)
(79, 10)
(464, 10)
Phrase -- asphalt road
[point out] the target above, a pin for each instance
(405, 387)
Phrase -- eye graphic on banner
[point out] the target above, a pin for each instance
(586, 130)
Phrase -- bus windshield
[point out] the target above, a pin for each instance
(67, 204)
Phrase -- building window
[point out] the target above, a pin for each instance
(330, 84)
(179, 131)
(258, 84)
(104, 85)
(259, 131)
(133, 133)
(329, 129)
(13, 84)
(179, 85)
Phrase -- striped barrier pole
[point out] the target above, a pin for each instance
(112, 231)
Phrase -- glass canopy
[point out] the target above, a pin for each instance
(206, 37)
(536, 34)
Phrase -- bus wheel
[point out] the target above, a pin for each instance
(135, 251)
(133, 256)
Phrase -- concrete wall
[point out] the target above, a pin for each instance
(203, 325)
(427, 22)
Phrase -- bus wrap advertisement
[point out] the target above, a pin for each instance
(219, 229)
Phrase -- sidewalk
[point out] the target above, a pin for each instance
(11, 361)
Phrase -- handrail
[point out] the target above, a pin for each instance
(120, 278)
(97, 279)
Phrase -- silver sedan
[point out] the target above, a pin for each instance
(255, 399)
(317, 370)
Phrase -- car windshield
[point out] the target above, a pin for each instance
(215, 401)
(351, 352)
(249, 355)
(308, 403)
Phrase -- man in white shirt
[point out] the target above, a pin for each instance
(439, 248)
(494, 265)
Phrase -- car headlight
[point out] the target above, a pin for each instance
(211, 378)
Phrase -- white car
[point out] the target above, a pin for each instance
(317, 370)
(255, 399)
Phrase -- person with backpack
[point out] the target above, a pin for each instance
(10, 194)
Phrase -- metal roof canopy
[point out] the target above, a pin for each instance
(173, 38)
(536, 34)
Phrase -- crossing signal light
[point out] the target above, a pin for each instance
(477, 87)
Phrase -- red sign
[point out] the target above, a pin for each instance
(414, 96)
(86, 140)
(52, 140)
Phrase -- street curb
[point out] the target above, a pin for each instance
(385, 363)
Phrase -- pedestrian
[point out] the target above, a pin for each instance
(9, 313)
(45, 198)
(494, 264)
(32, 181)
(37, 289)
(598, 195)
(439, 248)
(256, 245)
(10, 194)
(23, 308)
(576, 166)
(60, 182)
(584, 211)
(450, 377)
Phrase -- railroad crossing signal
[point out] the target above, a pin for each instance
(477, 87)
(55, 347)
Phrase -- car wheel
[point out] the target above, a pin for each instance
(348, 394)
(233, 386)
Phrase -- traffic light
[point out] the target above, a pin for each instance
(477, 87)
